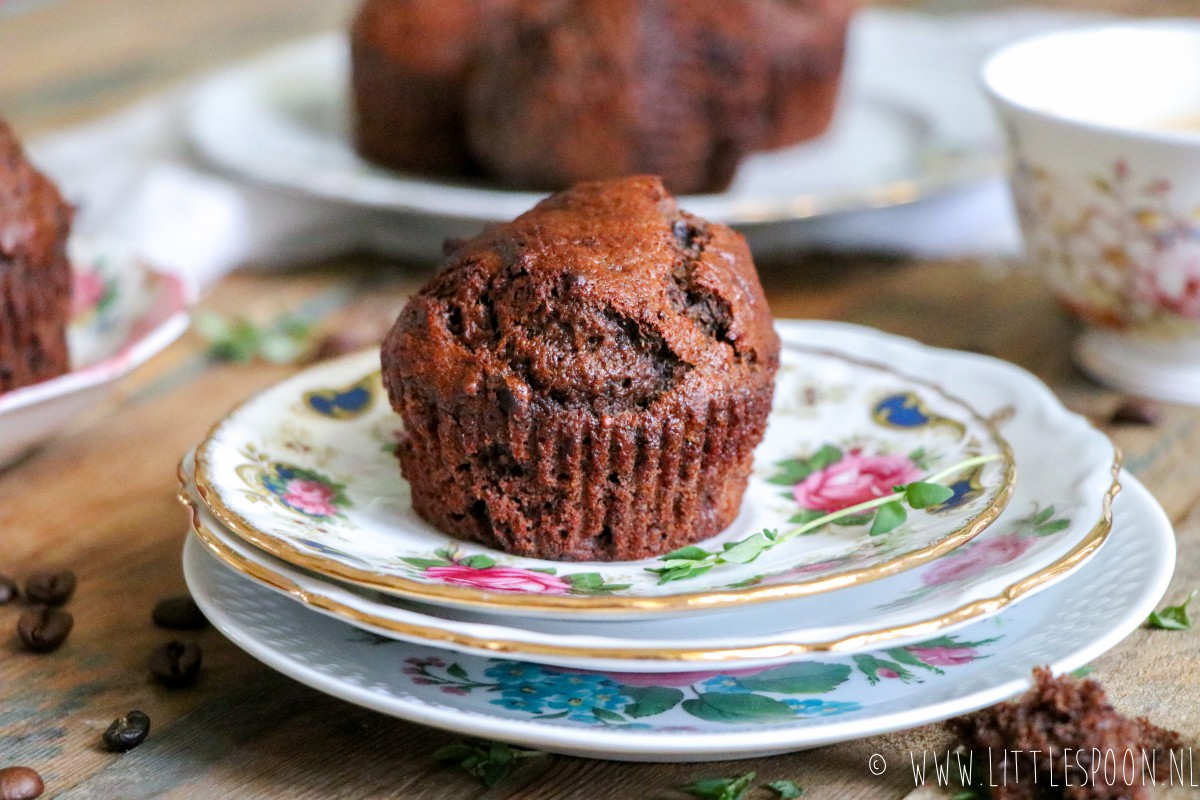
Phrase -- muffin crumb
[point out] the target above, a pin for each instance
(1063, 739)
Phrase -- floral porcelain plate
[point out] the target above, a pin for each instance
(123, 314)
(1059, 516)
(714, 714)
(305, 471)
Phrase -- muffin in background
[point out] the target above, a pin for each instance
(542, 94)
(805, 43)
(409, 61)
(35, 275)
(576, 90)
(587, 382)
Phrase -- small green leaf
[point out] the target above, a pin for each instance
(923, 495)
(1172, 618)
(1043, 516)
(426, 563)
(690, 553)
(853, 519)
(456, 752)
(720, 788)
(490, 766)
(584, 581)
(746, 550)
(455, 671)
(680, 573)
(787, 790)
(1051, 528)
(1083, 671)
(888, 518)
(478, 562)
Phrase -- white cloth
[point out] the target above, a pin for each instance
(133, 176)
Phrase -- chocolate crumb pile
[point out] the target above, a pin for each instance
(1063, 739)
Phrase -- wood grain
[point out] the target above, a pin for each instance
(101, 499)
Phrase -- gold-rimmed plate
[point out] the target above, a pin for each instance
(758, 636)
(304, 471)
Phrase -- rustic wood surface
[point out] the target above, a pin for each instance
(100, 500)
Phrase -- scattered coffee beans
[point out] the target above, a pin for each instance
(8, 590)
(44, 628)
(179, 613)
(20, 783)
(1136, 411)
(175, 664)
(127, 732)
(50, 588)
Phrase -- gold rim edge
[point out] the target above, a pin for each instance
(1013, 592)
(598, 604)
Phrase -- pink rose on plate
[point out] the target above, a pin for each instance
(976, 559)
(310, 497)
(943, 656)
(854, 479)
(501, 579)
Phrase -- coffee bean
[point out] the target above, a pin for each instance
(20, 783)
(179, 613)
(127, 732)
(175, 664)
(9, 590)
(1136, 411)
(50, 588)
(44, 628)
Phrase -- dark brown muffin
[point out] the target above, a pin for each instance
(805, 42)
(1028, 737)
(409, 60)
(574, 90)
(35, 276)
(588, 381)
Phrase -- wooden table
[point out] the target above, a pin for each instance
(101, 500)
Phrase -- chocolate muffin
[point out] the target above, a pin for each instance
(573, 90)
(35, 276)
(409, 61)
(587, 382)
(805, 42)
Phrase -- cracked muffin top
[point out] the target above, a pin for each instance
(606, 297)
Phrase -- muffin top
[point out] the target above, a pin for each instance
(33, 215)
(605, 297)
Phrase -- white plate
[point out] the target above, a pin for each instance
(305, 471)
(283, 119)
(124, 314)
(707, 716)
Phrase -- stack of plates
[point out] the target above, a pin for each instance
(306, 552)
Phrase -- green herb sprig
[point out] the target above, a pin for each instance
(283, 340)
(1172, 618)
(490, 764)
(693, 561)
(736, 788)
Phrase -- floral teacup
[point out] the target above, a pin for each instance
(1103, 127)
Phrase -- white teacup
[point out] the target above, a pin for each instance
(1103, 127)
